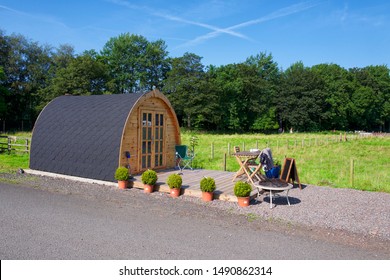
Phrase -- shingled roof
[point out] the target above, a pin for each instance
(81, 135)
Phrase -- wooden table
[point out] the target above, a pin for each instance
(243, 159)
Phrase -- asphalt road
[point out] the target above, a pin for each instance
(41, 224)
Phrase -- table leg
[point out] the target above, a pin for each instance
(270, 198)
(288, 201)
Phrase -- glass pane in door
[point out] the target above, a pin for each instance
(152, 139)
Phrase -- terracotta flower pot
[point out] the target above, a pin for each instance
(148, 188)
(207, 196)
(243, 201)
(175, 192)
(122, 184)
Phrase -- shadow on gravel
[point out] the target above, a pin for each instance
(280, 200)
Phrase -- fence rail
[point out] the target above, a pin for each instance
(13, 143)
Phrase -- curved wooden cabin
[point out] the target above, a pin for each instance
(90, 136)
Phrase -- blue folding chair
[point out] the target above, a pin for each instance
(184, 157)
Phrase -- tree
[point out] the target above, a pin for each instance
(266, 67)
(25, 65)
(84, 75)
(3, 93)
(269, 73)
(371, 98)
(134, 63)
(302, 103)
(338, 89)
(184, 87)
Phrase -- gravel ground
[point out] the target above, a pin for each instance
(334, 212)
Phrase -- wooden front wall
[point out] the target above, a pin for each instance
(153, 101)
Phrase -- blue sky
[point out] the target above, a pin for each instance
(348, 33)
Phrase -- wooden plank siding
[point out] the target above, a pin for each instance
(191, 180)
(131, 140)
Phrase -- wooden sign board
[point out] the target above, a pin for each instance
(290, 171)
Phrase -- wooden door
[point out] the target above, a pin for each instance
(152, 140)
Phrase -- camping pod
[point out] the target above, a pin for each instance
(91, 136)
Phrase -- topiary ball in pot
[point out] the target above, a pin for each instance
(174, 181)
(149, 177)
(242, 189)
(122, 174)
(207, 184)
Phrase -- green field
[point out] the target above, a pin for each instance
(322, 159)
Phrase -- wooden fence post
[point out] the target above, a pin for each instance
(224, 162)
(27, 145)
(352, 167)
(9, 145)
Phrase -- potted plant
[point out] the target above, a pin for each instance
(242, 190)
(207, 186)
(149, 179)
(174, 182)
(122, 176)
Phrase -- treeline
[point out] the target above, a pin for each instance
(252, 96)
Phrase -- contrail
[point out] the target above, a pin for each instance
(177, 19)
(293, 9)
(216, 29)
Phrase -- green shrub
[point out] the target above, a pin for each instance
(149, 177)
(242, 189)
(174, 181)
(207, 184)
(122, 174)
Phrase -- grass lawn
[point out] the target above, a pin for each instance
(10, 163)
(322, 159)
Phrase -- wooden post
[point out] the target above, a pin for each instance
(9, 145)
(229, 149)
(352, 173)
(224, 162)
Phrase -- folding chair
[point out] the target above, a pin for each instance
(184, 157)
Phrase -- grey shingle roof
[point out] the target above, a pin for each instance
(81, 135)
